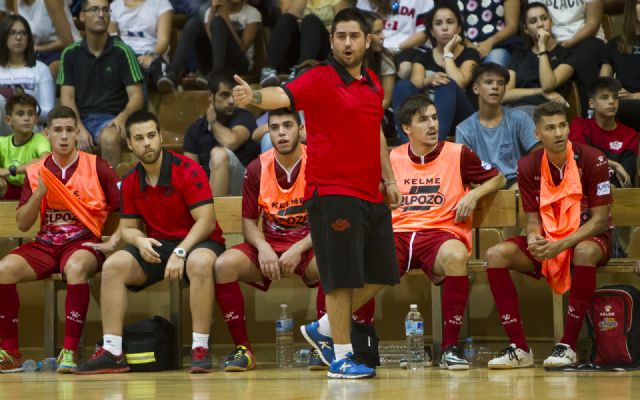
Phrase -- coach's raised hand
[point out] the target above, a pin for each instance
(242, 93)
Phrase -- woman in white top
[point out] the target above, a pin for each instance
(52, 27)
(19, 69)
(145, 25)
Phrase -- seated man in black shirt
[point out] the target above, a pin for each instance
(221, 140)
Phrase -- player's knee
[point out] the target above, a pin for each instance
(456, 267)
(114, 268)
(6, 276)
(219, 157)
(586, 253)
(76, 272)
(200, 267)
(497, 256)
(225, 269)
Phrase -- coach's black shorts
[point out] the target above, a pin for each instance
(155, 272)
(353, 242)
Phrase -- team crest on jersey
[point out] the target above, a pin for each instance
(615, 145)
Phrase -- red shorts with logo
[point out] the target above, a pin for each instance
(603, 241)
(252, 253)
(47, 259)
(419, 250)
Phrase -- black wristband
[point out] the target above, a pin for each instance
(13, 170)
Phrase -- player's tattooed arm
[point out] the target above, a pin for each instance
(256, 97)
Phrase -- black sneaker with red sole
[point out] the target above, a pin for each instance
(103, 362)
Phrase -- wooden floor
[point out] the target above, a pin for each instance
(273, 384)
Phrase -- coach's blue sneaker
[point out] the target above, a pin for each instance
(350, 368)
(323, 344)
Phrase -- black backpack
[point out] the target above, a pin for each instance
(614, 324)
(149, 345)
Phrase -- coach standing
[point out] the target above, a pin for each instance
(347, 162)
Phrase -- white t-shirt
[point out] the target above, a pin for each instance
(138, 26)
(36, 81)
(398, 27)
(568, 17)
(239, 20)
(41, 25)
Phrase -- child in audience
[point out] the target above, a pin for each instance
(616, 140)
(22, 147)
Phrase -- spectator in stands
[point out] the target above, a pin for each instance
(301, 33)
(22, 148)
(52, 27)
(20, 72)
(565, 245)
(169, 225)
(73, 192)
(435, 235)
(444, 71)
(624, 61)
(225, 40)
(617, 141)
(100, 80)
(491, 27)
(404, 28)
(221, 140)
(540, 73)
(499, 135)
(145, 25)
(576, 26)
(379, 58)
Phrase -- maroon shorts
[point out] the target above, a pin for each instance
(419, 250)
(603, 241)
(47, 259)
(252, 253)
(13, 192)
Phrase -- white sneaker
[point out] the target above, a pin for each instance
(512, 357)
(561, 356)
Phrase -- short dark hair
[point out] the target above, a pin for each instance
(490, 68)
(285, 111)
(5, 27)
(548, 109)
(453, 7)
(83, 4)
(215, 78)
(139, 117)
(22, 99)
(415, 104)
(604, 83)
(347, 15)
(61, 112)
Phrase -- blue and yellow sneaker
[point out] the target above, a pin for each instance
(350, 368)
(323, 344)
(66, 361)
(239, 360)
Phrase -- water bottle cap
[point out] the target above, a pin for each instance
(469, 339)
(283, 306)
(413, 306)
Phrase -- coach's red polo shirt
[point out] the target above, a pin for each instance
(165, 208)
(342, 117)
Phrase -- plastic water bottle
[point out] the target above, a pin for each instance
(470, 351)
(48, 364)
(30, 366)
(284, 339)
(414, 331)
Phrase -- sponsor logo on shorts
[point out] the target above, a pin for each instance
(340, 225)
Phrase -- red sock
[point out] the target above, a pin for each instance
(364, 314)
(321, 308)
(75, 310)
(231, 303)
(583, 285)
(455, 293)
(506, 297)
(9, 306)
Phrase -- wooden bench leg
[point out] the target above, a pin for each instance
(50, 307)
(175, 314)
(558, 316)
(436, 322)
